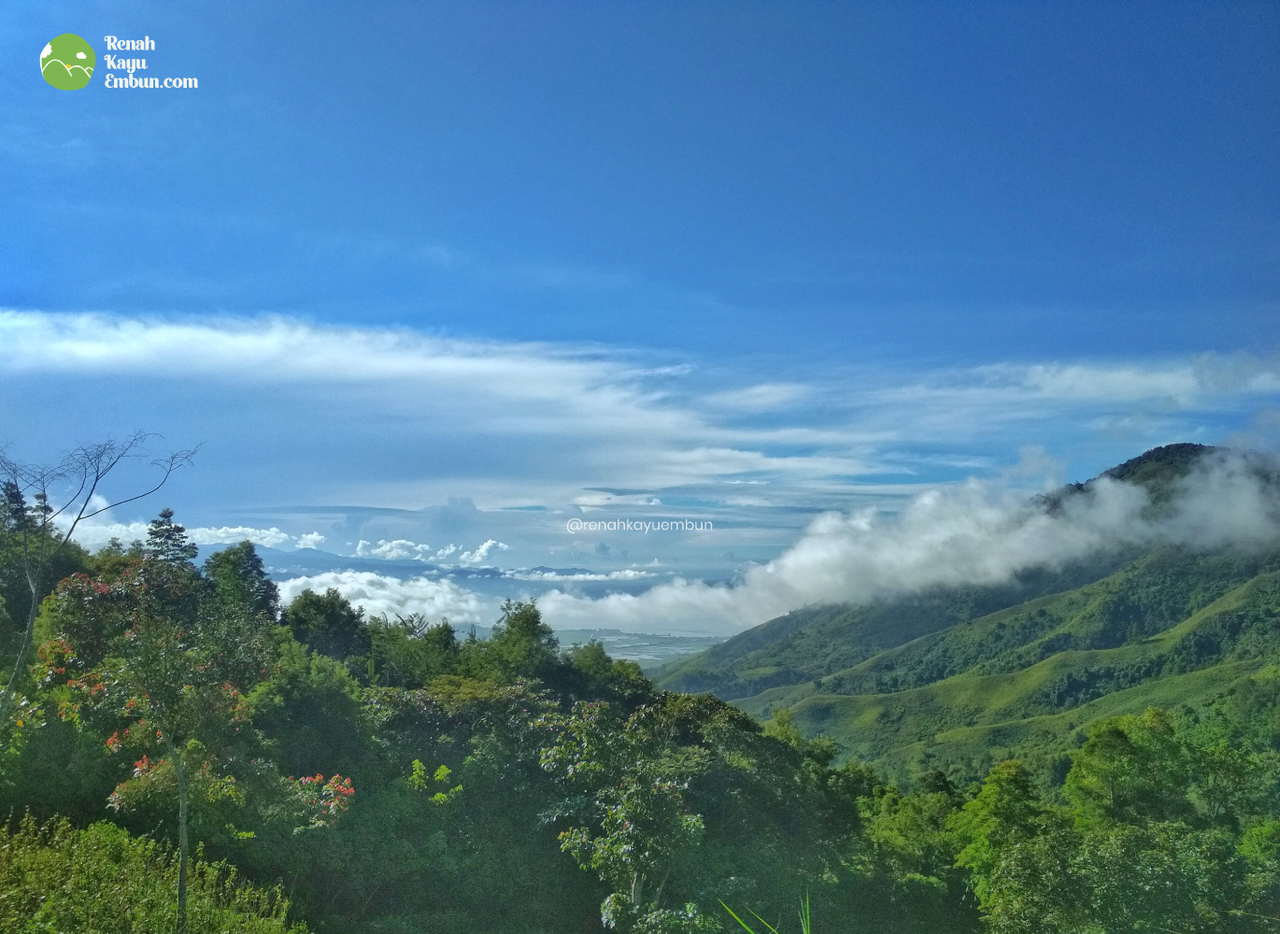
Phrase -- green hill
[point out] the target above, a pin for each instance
(996, 709)
(960, 677)
(818, 641)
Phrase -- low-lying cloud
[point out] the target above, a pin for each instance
(973, 533)
(379, 594)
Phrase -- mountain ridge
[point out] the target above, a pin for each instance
(951, 672)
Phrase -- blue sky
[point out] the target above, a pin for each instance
(743, 262)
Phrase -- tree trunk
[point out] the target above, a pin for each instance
(181, 773)
(33, 582)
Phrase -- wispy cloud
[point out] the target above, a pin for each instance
(393, 417)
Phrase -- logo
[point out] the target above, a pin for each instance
(67, 62)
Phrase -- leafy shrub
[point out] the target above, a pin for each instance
(103, 881)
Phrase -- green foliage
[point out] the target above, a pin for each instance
(411, 652)
(512, 786)
(1151, 838)
(156, 655)
(521, 645)
(309, 714)
(1004, 813)
(805, 919)
(1031, 698)
(1132, 769)
(825, 642)
(102, 880)
(328, 624)
(167, 541)
(113, 559)
(240, 580)
(22, 541)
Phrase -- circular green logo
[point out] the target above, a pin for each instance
(67, 62)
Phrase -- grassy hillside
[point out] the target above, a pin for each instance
(1027, 680)
(964, 676)
(819, 641)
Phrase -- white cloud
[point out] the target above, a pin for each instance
(472, 558)
(598, 499)
(379, 594)
(310, 540)
(626, 574)
(398, 550)
(571, 418)
(231, 535)
(368, 417)
(975, 533)
(763, 397)
(96, 534)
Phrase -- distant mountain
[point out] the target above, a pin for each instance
(962, 676)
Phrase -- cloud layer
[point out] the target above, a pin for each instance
(975, 533)
(971, 533)
(826, 485)
(379, 594)
(94, 535)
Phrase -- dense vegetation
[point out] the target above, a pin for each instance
(101, 879)
(385, 775)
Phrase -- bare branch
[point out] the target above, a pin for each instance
(167, 464)
(86, 467)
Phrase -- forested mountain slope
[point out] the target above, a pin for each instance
(1033, 677)
(961, 677)
(818, 641)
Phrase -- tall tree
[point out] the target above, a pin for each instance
(240, 579)
(168, 541)
(521, 644)
(149, 652)
(327, 623)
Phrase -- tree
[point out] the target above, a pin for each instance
(239, 578)
(1005, 812)
(327, 623)
(522, 645)
(1132, 769)
(78, 476)
(411, 651)
(150, 653)
(646, 828)
(167, 541)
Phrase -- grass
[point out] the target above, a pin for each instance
(804, 918)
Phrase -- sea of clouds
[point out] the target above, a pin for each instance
(977, 532)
